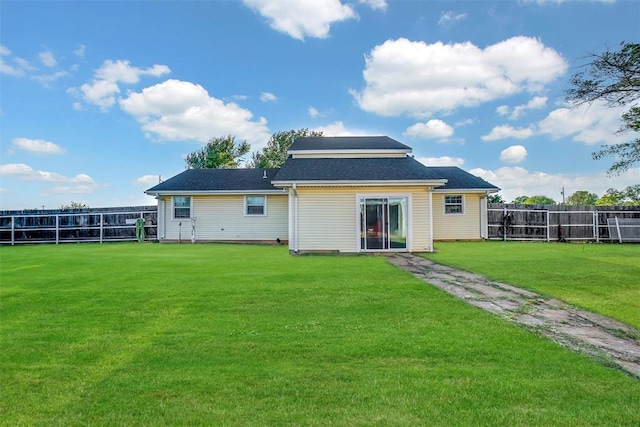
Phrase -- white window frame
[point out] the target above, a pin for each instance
(445, 204)
(246, 205)
(407, 196)
(173, 208)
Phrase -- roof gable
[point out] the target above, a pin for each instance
(350, 143)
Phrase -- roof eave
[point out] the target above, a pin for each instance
(360, 183)
(210, 192)
(487, 190)
(353, 151)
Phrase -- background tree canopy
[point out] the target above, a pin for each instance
(219, 153)
(613, 77)
(274, 153)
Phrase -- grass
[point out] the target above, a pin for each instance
(603, 278)
(150, 334)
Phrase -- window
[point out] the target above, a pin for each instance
(182, 207)
(255, 205)
(453, 205)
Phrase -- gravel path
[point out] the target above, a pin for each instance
(602, 338)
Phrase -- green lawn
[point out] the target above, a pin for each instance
(151, 334)
(604, 278)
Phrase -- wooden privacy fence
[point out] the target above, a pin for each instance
(77, 225)
(564, 223)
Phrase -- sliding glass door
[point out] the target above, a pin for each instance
(383, 223)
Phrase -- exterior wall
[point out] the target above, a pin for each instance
(466, 226)
(222, 218)
(328, 217)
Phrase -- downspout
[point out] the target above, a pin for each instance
(431, 249)
(161, 226)
(484, 222)
(295, 218)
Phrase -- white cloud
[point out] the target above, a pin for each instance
(147, 180)
(47, 79)
(300, 19)
(9, 69)
(513, 154)
(182, 111)
(80, 51)
(47, 58)
(506, 131)
(268, 97)
(122, 71)
(441, 161)
(100, 93)
(433, 129)
(535, 103)
(338, 129)
(375, 4)
(518, 181)
(104, 86)
(39, 146)
(313, 112)
(450, 17)
(25, 172)
(419, 79)
(502, 110)
(591, 124)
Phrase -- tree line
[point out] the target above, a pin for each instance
(630, 196)
(228, 153)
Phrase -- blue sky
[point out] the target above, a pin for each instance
(101, 98)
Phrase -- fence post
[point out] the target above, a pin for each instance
(504, 227)
(596, 228)
(548, 237)
(13, 230)
(101, 225)
(57, 229)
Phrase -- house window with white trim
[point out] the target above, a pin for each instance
(255, 205)
(453, 205)
(181, 207)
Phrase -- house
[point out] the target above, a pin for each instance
(337, 194)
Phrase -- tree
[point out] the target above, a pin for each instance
(632, 194)
(582, 198)
(520, 200)
(539, 200)
(73, 205)
(219, 153)
(495, 198)
(613, 77)
(612, 197)
(274, 153)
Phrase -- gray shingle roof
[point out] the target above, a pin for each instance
(347, 143)
(355, 169)
(460, 179)
(218, 180)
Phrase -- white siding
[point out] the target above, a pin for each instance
(464, 226)
(328, 217)
(222, 218)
